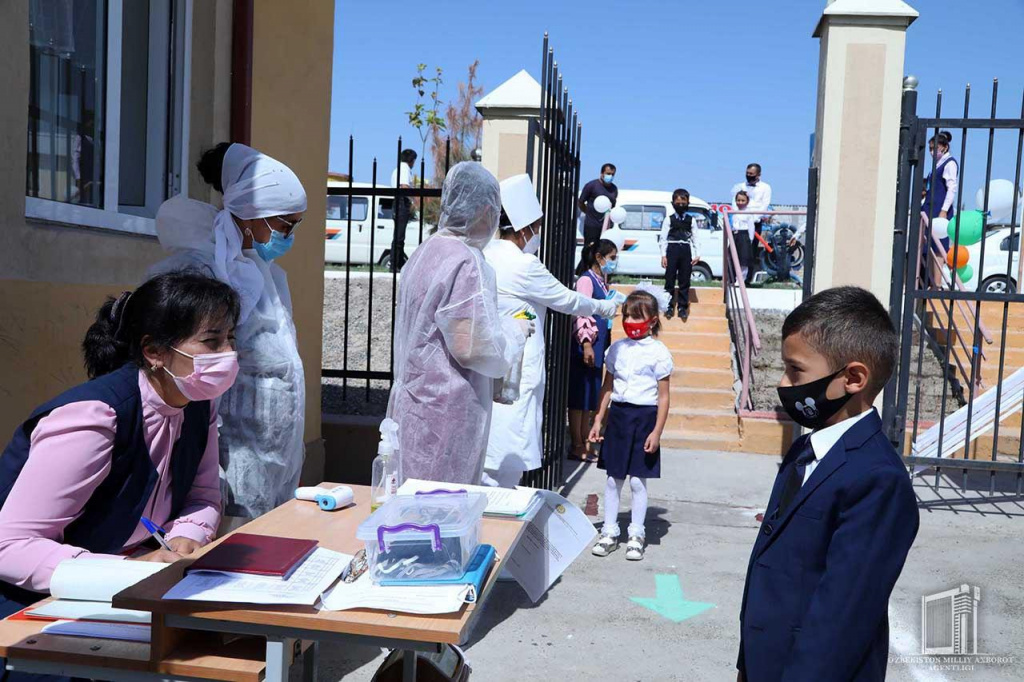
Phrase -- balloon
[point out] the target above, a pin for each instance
(615, 235)
(962, 256)
(1000, 200)
(618, 215)
(965, 229)
(602, 204)
(965, 273)
(940, 228)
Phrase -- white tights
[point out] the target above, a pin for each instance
(612, 495)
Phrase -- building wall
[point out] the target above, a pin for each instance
(53, 278)
(291, 104)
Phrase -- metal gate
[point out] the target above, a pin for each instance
(958, 326)
(553, 161)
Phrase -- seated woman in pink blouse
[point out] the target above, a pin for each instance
(138, 440)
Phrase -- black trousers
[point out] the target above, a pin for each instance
(743, 248)
(592, 230)
(754, 263)
(680, 267)
(403, 210)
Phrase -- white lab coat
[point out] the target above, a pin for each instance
(514, 442)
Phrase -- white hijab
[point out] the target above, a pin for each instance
(255, 186)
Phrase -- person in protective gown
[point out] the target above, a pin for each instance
(450, 341)
(263, 414)
(514, 445)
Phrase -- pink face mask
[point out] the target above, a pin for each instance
(212, 375)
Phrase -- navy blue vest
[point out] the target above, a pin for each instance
(112, 513)
(680, 229)
(935, 192)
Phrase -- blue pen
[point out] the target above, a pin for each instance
(157, 533)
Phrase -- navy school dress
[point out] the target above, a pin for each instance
(622, 452)
(112, 514)
(585, 382)
(935, 191)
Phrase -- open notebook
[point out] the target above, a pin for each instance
(82, 590)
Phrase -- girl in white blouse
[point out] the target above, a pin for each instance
(635, 402)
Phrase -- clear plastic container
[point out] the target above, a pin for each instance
(427, 536)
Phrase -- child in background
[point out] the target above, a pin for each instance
(635, 402)
(591, 336)
(743, 231)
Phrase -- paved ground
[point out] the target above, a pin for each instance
(701, 526)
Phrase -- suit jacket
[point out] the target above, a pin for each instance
(815, 603)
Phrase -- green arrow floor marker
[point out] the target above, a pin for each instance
(669, 601)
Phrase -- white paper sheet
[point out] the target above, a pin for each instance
(500, 501)
(129, 633)
(98, 579)
(363, 594)
(66, 609)
(555, 535)
(304, 586)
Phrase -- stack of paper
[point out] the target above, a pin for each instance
(515, 502)
(303, 586)
(364, 594)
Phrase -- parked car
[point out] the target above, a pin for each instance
(998, 251)
(640, 255)
(372, 221)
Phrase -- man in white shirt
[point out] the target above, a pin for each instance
(401, 177)
(760, 195)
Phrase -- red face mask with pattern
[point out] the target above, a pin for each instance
(637, 330)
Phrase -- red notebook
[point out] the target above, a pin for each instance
(255, 555)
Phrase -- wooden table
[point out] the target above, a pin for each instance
(28, 649)
(278, 624)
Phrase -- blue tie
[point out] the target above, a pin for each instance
(795, 478)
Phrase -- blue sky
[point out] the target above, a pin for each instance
(674, 93)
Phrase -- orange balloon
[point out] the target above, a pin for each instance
(961, 255)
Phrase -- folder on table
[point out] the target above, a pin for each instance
(248, 554)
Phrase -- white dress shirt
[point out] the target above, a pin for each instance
(402, 175)
(760, 194)
(743, 223)
(664, 241)
(824, 439)
(951, 178)
(637, 367)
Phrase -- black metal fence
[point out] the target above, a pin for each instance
(957, 392)
(553, 161)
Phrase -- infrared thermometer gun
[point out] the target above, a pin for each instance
(328, 499)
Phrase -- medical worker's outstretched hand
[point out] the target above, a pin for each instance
(528, 327)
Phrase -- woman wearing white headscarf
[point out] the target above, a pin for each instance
(263, 415)
(450, 342)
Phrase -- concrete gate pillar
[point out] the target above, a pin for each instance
(860, 77)
(507, 111)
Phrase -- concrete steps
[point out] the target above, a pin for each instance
(703, 398)
(704, 420)
(705, 359)
(700, 377)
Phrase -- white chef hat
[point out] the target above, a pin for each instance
(519, 200)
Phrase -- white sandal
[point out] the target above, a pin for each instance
(635, 548)
(606, 544)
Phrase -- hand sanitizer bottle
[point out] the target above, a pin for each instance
(386, 474)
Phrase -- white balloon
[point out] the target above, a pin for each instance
(618, 215)
(940, 228)
(1000, 200)
(602, 204)
(616, 236)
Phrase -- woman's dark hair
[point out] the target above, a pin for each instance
(602, 247)
(211, 163)
(164, 311)
(942, 137)
(642, 305)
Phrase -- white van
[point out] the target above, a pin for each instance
(645, 211)
(382, 227)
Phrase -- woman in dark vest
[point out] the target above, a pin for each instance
(139, 439)
(940, 187)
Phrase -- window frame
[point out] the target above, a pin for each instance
(357, 200)
(75, 215)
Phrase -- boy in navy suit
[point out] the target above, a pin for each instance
(842, 515)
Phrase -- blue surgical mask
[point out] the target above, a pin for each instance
(610, 266)
(608, 178)
(276, 247)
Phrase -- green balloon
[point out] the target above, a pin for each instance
(966, 228)
(965, 273)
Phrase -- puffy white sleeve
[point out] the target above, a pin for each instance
(663, 364)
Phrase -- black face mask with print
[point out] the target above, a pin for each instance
(807, 404)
